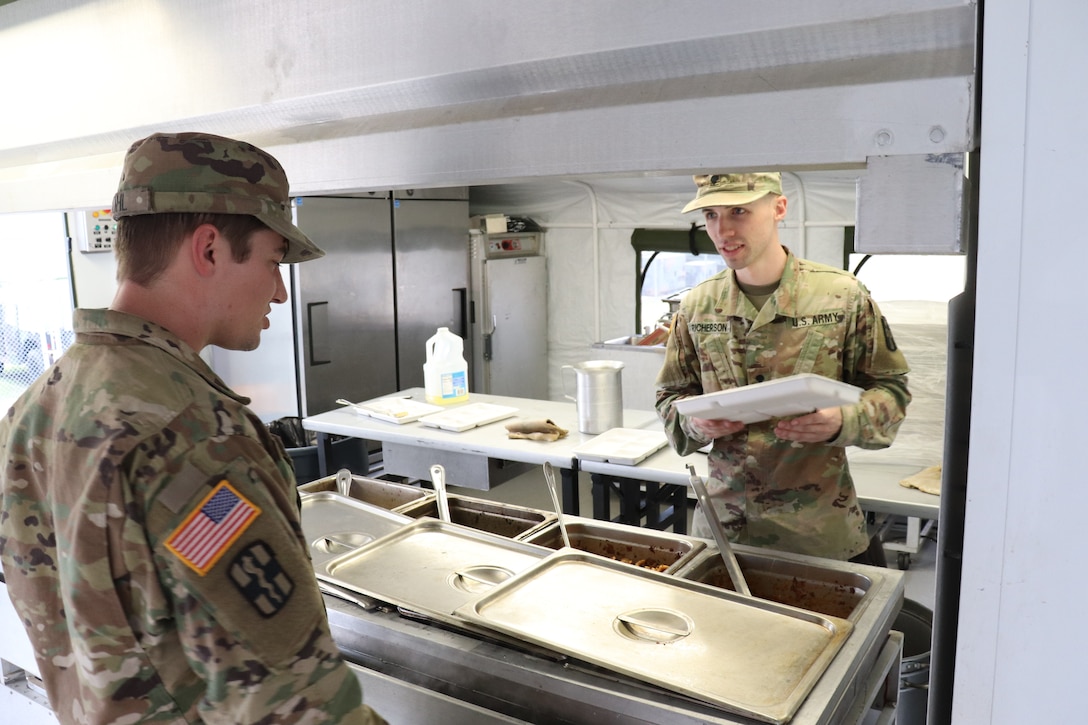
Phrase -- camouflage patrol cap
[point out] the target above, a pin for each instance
(199, 172)
(732, 189)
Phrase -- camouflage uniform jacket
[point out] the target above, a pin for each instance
(769, 492)
(151, 543)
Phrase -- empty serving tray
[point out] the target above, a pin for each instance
(466, 417)
(628, 446)
(794, 395)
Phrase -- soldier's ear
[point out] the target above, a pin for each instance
(780, 204)
(204, 248)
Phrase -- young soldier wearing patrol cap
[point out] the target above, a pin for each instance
(150, 534)
(783, 484)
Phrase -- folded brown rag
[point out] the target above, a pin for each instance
(537, 430)
(927, 480)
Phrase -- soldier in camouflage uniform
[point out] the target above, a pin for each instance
(782, 484)
(150, 533)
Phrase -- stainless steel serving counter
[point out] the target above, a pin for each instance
(529, 684)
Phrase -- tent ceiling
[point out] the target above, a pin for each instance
(355, 96)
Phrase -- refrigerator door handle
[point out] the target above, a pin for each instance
(318, 317)
(462, 304)
(487, 337)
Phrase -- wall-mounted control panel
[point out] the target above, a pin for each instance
(100, 230)
(525, 244)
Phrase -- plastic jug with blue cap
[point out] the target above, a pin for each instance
(445, 372)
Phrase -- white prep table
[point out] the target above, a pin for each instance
(475, 458)
(877, 486)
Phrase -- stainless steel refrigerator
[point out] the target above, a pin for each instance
(396, 268)
(510, 330)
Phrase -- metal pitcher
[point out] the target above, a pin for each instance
(599, 394)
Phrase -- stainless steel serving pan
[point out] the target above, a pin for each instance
(648, 548)
(386, 494)
(494, 517)
(797, 583)
(334, 525)
(745, 655)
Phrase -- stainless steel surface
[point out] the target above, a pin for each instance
(493, 517)
(386, 494)
(553, 491)
(598, 394)
(402, 702)
(431, 566)
(536, 689)
(430, 242)
(347, 595)
(628, 545)
(746, 655)
(504, 675)
(344, 302)
(510, 332)
(438, 480)
(716, 529)
(334, 524)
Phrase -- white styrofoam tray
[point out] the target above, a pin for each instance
(464, 417)
(627, 446)
(793, 395)
(395, 410)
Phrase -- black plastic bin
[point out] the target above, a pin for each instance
(349, 453)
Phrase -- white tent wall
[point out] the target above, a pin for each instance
(591, 262)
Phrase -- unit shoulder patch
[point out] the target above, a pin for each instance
(260, 578)
(216, 523)
(889, 341)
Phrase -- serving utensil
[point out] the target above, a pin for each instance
(438, 478)
(730, 559)
(553, 489)
(343, 482)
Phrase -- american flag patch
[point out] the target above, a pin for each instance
(209, 531)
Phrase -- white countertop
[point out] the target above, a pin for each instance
(877, 483)
(488, 440)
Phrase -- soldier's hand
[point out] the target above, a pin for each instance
(823, 425)
(716, 428)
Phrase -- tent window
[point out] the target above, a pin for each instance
(668, 263)
(35, 299)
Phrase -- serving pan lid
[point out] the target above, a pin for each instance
(431, 566)
(335, 524)
(748, 656)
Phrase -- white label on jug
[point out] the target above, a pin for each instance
(454, 384)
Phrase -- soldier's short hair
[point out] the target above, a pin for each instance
(147, 243)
